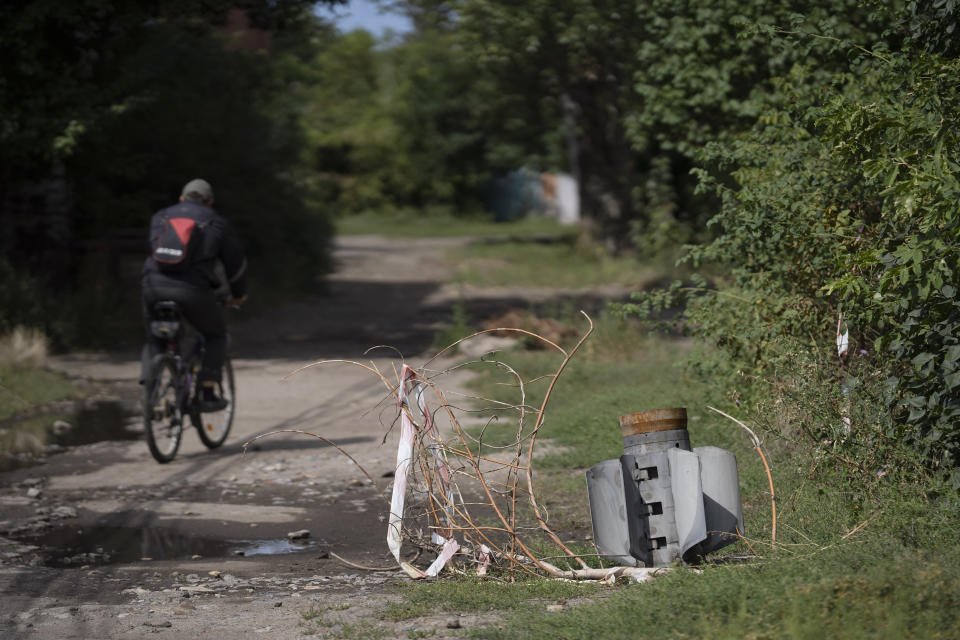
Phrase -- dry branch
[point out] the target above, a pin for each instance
(494, 527)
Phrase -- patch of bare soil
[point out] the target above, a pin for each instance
(100, 541)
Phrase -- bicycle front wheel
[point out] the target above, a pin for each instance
(215, 426)
(162, 417)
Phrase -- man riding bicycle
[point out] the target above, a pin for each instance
(187, 241)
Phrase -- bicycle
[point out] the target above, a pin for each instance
(173, 390)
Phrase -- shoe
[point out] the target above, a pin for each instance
(211, 402)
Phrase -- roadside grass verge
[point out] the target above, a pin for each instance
(848, 591)
(867, 556)
(408, 223)
(564, 263)
(852, 559)
(475, 595)
(25, 388)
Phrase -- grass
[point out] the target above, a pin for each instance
(473, 595)
(22, 389)
(565, 263)
(851, 561)
(847, 592)
(897, 576)
(25, 388)
(443, 224)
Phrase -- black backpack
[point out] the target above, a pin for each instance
(178, 244)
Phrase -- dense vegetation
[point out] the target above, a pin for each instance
(107, 109)
(839, 214)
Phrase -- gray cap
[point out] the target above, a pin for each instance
(198, 189)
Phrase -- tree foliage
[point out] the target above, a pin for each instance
(839, 207)
(116, 105)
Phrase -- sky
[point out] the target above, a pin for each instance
(365, 14)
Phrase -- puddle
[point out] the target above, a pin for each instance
(108, 420)
(273, 547)
(26, 438)
(74, 547)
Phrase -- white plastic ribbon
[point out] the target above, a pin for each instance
(404, 456)
(450, 547)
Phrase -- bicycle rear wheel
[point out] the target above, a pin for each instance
(162, 417)
(214, 427)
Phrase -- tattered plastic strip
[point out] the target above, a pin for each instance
(484, 560)
(843, 349)
(450, 547)
(441, 465)
(404, 457)
(843, 337)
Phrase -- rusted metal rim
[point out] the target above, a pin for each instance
(633, 424)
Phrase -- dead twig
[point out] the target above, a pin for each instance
(756, 447)
(859, 526)
(365, 568)
(431, 460)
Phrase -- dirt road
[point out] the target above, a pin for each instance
(102, 542)
(125, 539)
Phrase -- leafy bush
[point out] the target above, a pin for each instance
(840, 209)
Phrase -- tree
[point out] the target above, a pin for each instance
(638, 89)
(113, 106)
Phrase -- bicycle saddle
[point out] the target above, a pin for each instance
(166, 320)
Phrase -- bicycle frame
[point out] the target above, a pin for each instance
(165, 417)
(185, 369)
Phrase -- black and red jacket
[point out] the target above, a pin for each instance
(219, 243)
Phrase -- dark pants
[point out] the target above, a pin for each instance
(200, 307)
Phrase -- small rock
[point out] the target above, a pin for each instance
(278, 604)
(214, 573)
(453, 623)
(196, 556)
(61, 427)
(299, 535)
(553, 608)
(33, 492)
(199, 588)
(323, 555)
(239, 552)
(64, 512)
(31, 482)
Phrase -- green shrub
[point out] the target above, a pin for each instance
(840, 207)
